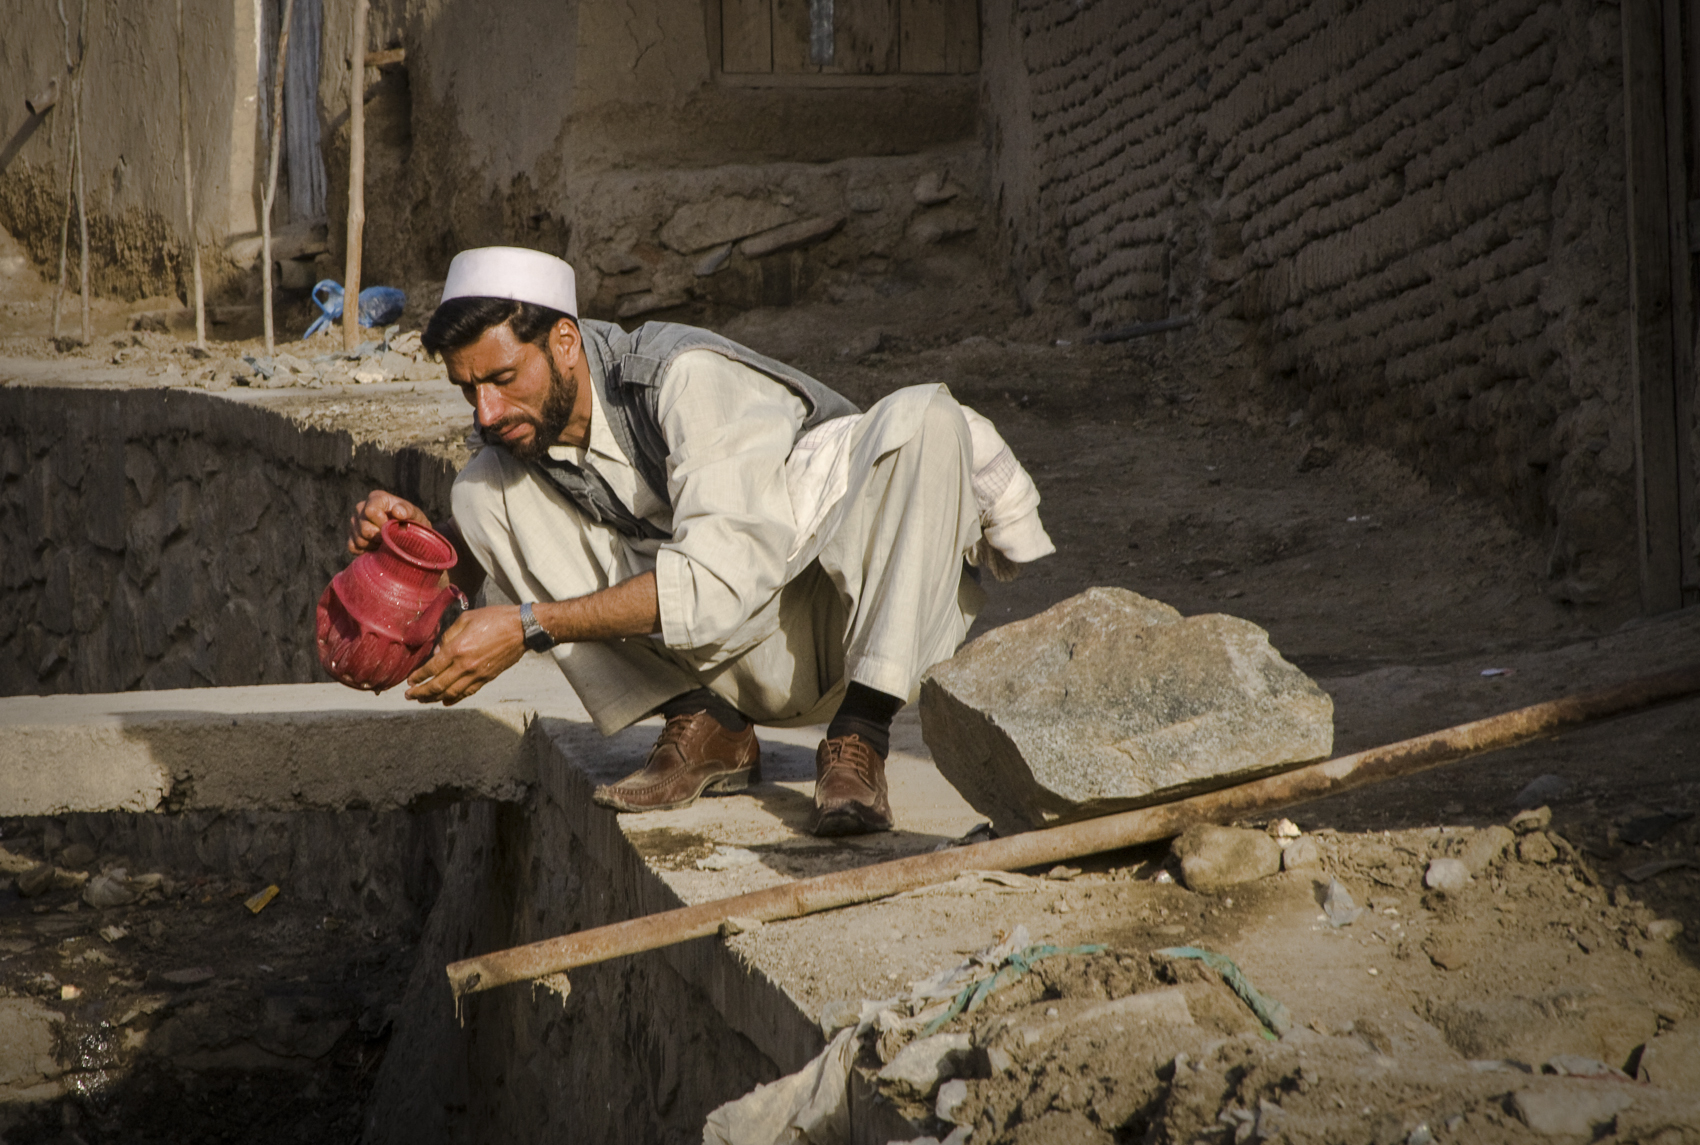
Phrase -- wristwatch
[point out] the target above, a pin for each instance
(536, 637)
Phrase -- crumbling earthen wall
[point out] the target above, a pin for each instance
(160, 539)
(1406, 220)
(131, 137)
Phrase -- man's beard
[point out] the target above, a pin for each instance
(550, 423)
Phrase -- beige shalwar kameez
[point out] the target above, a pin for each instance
(779, 583)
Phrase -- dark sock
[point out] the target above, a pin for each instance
(703, 700)
(868, 714)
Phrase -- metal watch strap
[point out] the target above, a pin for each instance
(537, 637)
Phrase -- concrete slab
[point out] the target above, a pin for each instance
(281, 747)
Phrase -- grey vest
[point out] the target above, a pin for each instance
(627, 371)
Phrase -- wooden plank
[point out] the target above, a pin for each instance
(1651, 333)
(791, 38)
(746, 36)
(939, 37)
(866, 35)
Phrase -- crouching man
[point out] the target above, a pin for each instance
(696, 530)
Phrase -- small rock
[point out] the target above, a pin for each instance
(1214, 858)
(1484, 847)
(943, 223)
(109, 889)
(1663, 930)
(714, 259)
(1339, 906)
(1569, 1110)
(1539, 790)
(36, 880)
(76, 855)
(863, 344)
(1302, 854)
(1580, 1065)
(922, 1064)
(935, 187)
(791, 236)
(1450, 875)
(1314, 457)
(1285, 829)
(1533, 819)
(1536, 848)
(951, 1096)
(1446, 954)
(410, 342)
(369, 372)
(193, 976)
(1672, 1060)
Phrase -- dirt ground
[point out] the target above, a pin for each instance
(1163, 471)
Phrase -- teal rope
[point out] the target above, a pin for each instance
(1271, 1013)
(972, 996)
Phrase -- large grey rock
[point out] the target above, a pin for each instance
(1109, 701)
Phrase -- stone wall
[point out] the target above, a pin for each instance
(162, 539)
(1405, 221)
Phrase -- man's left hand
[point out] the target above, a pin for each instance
(477, 648)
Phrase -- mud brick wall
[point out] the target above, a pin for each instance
(1405, 220)
(158, 539)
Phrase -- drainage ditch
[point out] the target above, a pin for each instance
(167, 540)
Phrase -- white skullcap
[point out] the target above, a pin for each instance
(513, 272)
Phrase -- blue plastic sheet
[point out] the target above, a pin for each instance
(379, 305)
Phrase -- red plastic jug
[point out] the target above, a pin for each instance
(381, 617)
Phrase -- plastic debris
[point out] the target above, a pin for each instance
(109, 889)
(69, 993)
(1339, 906)
(725, 858)
(258, 902)
(1273, 1014)
(379, 306)
(1012, 967)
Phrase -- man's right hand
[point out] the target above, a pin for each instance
(373, 513)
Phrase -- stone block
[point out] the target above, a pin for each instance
(1109, 701)
(1216, 858)
(29, 1067)
(1672, 1060)
(722, 219)
(791, 236)
(1484, 847)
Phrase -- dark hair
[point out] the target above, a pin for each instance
(459, 322)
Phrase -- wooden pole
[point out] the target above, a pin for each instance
(71, 151)
(1069, 841)
(82, 193)
(356, 180)
(189, 179)
(1654, 363)
(270, 196)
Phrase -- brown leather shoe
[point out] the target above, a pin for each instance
(850, 795)
(694, 755)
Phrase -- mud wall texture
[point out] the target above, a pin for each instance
(159, 539)
(131, 137)
(1405, 221)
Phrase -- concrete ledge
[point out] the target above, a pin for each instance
(284, 747)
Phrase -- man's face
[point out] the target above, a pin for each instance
(520, 396)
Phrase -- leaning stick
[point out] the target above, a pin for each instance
(189, 178)
(71, 151)
(271, 174)
(356, 180)
(82, 191)
(1070, 841)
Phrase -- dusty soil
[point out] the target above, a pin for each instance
(1162, 473)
